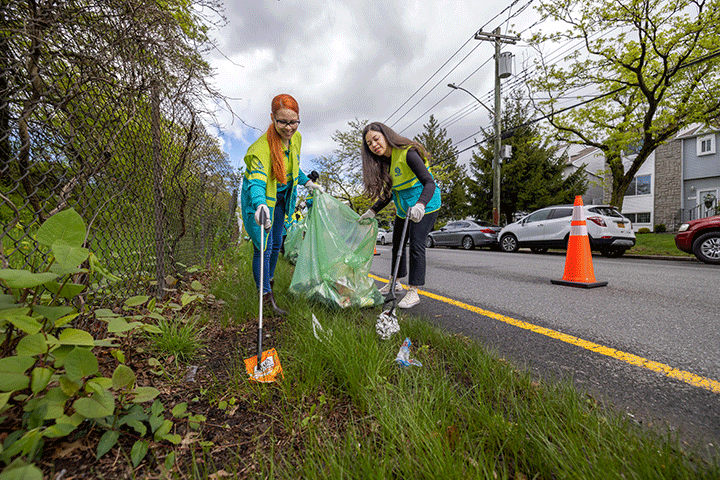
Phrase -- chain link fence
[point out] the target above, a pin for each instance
(83, 128)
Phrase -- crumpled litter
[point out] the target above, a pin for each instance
(403, 357)
(318, 328)
(387, 325)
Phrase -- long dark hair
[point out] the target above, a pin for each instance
(376, 171)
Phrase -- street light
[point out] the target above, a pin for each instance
(455, 87)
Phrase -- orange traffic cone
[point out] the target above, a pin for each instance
(376, 252)
(578, 261)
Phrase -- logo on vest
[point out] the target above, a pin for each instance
(397, 171)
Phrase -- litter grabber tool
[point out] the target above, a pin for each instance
(265, 366)
(387, 322)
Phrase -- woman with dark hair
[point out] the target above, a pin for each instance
(272, 173)
(396, 168)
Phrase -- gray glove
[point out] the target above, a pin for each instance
(262, 214)
(368, 215)
(314, 186)
(416, 212)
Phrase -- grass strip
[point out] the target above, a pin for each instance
(346, 410)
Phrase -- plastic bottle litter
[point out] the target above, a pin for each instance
(191, 371)
(403, 357)
(318, 329)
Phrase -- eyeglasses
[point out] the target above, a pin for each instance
(291, 123)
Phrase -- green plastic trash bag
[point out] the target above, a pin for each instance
(293, 240)
(334, 259)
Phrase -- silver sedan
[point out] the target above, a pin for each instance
(467, 234)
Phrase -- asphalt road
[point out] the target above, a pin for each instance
(648, 343)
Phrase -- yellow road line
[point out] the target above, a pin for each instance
(687, 377)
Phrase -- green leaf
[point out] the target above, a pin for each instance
(123, 377)
(180, 410)
(63, 426)
(79, 363)
(32, 345)
(22, 321)
(65, 227)
(195, 285)
(69, 290)
(61, 270)
(144, 394)
(119, 325)
(54, 401)
(136, 300)
(101, 313)
(138, 452)
(155, 421)
(163, 430)
(96, 406)
(69, 387)
(107, 441)
(98, 384)
(187, 298)
(66, 319)
(40, 378)
(68, 256)
(194, 421)
(7, 300)
(4, 397)
(24, 278)
(73, 336)
(173, 438)
(53, 313)
(138, 426)
(19, 470)
(12, 373)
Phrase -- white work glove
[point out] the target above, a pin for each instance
(416, 212)
(314, 186)
(263, 208)
(368, 215)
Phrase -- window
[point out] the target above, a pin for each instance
(562, 212)
(640, 185)
(643, 217)
(538, 216)
(706, 145)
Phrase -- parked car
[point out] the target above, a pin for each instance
(384, 236)
(608, 230)
(701, 237)
(467, 234)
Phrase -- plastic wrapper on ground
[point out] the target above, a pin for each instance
(403, 357)
(334, 258)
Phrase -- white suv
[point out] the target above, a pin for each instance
(608, 231)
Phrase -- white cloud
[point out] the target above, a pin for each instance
(344, 60)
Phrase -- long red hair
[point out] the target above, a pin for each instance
(276, 149)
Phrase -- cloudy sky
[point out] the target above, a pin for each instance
(385, 61)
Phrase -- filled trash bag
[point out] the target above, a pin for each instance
(293, 240)
(334, 259)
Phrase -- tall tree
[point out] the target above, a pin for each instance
(657, 74)
(532, 177)
(341, 172)
(450, 177)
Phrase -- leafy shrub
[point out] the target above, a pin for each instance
(660, 228)
(49, 370)
(643, 230)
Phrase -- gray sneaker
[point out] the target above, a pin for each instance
(386, 288)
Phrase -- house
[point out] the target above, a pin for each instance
(639, 198)
(691, 173)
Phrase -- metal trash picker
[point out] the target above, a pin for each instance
(265, 366)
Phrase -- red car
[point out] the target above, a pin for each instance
(701, 237)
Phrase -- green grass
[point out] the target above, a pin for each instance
(662, 244)
(466, 413)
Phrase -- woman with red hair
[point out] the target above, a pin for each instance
(272, 173)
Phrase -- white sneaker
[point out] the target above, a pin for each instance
(386, 289)
(410, 299)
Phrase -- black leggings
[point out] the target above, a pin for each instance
(416, 236)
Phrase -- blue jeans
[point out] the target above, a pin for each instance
(272, 249)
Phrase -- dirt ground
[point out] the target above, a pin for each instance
(235, 431)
